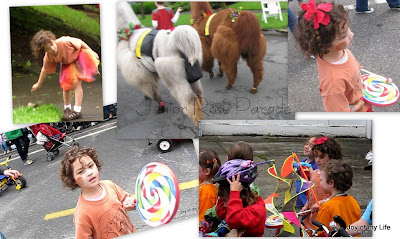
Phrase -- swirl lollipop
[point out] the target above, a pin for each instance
(157, 194)
(378, 90)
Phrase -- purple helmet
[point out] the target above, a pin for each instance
(246, 168)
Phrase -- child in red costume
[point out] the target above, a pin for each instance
(163, 17)
(241, 208)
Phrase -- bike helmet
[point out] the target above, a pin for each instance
(246, 168)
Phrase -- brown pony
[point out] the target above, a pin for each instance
(228, 40)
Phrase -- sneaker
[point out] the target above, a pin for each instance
(395, 8)
(28, 162)
(370, 10)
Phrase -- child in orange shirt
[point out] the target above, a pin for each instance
(78, 62)
(209, 164)
(325, 149)
(336, 178)
(323, 31)
(101, 208)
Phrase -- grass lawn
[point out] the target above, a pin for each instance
(184, 19)
(40, 114)
(73, 18)
(254, 5)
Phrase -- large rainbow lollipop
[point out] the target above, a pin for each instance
(157, 193)
(378, 90)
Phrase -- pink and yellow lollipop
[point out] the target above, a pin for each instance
(378, 90)
(157, 194)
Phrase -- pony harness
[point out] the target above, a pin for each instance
(144, 46)
(207, 29)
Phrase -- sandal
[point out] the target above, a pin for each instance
(72, 115)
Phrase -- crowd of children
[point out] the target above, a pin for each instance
(232, 203)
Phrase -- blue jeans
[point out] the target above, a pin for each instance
(393, 3)
(2, 235)
(4, 146)
(292, 19)
(362, 5)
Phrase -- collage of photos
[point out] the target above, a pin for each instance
(227, 118)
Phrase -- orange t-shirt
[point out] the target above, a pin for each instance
(344, 206)
(68, 49)
(340, 85)
(208, 195)
(105, 218)
(319, 193)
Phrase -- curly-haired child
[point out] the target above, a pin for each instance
(336, 178)
(325, 149)
(78, 62)
(323, 31)
(209, 164)
(101, 208)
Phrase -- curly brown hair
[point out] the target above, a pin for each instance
(340, 173)
(209, 159)
(317, 41)
(330, 147)
(240, 150)
(39, 40)
(66, 168)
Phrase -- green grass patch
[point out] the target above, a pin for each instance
(184, 19)
(40, 114)
(254, 5)
(73, 18)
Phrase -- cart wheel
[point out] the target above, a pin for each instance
(19, 182)
(164, 145)
(56, 152)
(49, 157)
(75, 144)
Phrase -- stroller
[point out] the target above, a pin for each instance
(51, 139)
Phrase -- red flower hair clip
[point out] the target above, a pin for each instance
(320, 140)
(317, 13)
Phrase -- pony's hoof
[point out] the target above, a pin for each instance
(253, 91)
(160, 110)
(211, 74)
(228, 87)
(146, 97)
(220, 75)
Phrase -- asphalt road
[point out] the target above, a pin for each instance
(137, 118)
(376, 47)
(279, 148)
(23, 212)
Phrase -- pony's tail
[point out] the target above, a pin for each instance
(186, 39)
(248, 30)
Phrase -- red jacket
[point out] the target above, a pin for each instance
(251, 218)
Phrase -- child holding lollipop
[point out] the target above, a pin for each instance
(78, 62)
(323, 31)
(101, 208)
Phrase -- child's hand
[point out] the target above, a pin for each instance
(35, 87)
(129, 203)
(358, 105)
(179, 9)
(315, 207)
(235, 183)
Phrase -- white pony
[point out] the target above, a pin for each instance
(167, 65)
